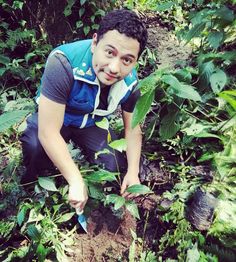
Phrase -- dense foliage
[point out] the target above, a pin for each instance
(189, 113)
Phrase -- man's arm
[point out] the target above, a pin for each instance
(51, 116)
(133, 152)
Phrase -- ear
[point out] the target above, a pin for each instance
(94, 42)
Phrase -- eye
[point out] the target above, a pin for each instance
(109, 52)
(127, 61)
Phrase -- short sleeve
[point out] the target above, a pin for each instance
(130, 103)
(57, 79)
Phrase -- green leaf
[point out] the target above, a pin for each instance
(21, 214)
(86, 29)
(139, 189)
(96, 192)
(226, 14)
(47, 183)
(205, 71)
(195, 31)
(42, 252)
(82, 2)
(218, 80)
(81, 11)
(119, 202)
(33, 232)
(4, 60)
(119, 145)
(142, 107)
(101, 175)
(111, 198)
(132, 208)
(181, 90)
(169, 125)
(104, 123)
(193, 254)
(230, 97)
(65, 217)
(67, 11)
(164, 6)
(10, 118)
(215, 38)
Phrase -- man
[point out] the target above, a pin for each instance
(83, 82)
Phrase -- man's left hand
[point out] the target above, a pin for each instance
(129, 180)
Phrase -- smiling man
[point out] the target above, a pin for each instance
(83, 82)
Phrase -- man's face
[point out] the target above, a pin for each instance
(114, 56)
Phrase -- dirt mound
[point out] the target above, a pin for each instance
(108, 238)
(170, 51)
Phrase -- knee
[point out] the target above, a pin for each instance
(113, 163)
(30, 142)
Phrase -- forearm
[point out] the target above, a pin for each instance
(133, 152)
(56, 149)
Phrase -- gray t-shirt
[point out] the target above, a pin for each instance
(58, 80)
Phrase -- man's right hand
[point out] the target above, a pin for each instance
(78, 195)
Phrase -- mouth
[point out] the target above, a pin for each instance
(110, 77)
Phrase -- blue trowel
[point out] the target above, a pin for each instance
(82, 220)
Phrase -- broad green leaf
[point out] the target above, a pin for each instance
(183, 75)
(34, 217)
(206, 134)
(81, 12)
(132, 252)
(3, 70)
(142, 107)
(47, 183)
(148, 84)
(67, 11)
(193, 254)
(42, 252)
(86, 29)
(205, 71)
(229, 96)
(33, 233)
(104, 123)
(215, 38)
(181, 90)
(82, 2)
(139, 189)
(119, 202)
(9, 119)
(95, 191)
(132, 208)
(218, 80)
(195, 128)
(101, 175)
(195, 31)
(65, 217)
(119, 145)
(169, 125)
(164, 6)
(4, 60)
(111, 198)
(226, 14)
(21, 214)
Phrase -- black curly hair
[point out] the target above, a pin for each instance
(125, 22)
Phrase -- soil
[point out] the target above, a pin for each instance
(108, 237)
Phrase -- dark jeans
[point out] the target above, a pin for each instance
(91, 140)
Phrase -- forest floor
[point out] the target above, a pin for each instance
(109, 237)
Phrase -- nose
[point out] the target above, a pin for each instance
(114, 66)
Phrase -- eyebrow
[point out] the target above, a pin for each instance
(129, 55)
